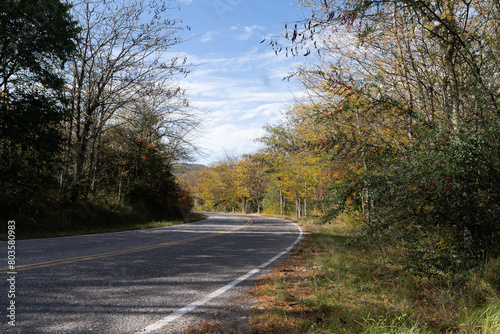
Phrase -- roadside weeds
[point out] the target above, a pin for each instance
(334, 283)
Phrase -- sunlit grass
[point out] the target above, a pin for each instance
(483, 320)
(335, 283)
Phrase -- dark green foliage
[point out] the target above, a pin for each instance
(135, 171)
(31, 139)
(36, 38)
(129, 179)
(439, 199)
(451, 203)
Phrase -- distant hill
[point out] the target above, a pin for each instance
(182, 168)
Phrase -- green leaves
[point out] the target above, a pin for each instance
(408, 100)
(36, 38)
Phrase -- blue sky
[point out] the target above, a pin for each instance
(236, 79)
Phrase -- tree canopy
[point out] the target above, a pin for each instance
(91, 115)
(400, 127)
(37, 38)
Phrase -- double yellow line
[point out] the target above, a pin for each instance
(127, 251)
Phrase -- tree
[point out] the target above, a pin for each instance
(136, 167)
(120, 61)
(294, 173)
(408, 93)
(251, 183)
(37, 38)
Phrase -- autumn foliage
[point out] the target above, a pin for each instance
(400, 130)
(408, 95)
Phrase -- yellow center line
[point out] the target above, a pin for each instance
(126, 251)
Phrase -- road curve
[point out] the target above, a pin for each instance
(134, 281)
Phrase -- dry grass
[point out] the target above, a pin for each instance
(333, 284)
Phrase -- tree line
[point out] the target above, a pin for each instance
(399, 130)
(278, 180)
(91, 114)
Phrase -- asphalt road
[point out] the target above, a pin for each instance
(135, 281)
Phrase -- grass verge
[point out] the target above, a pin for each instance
(92, 222)
(333, 283)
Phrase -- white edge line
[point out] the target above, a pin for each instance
(186, 309)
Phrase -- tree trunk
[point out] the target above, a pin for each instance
(305, 201)
(81, 152)
(281, 203)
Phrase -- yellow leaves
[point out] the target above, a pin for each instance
(231, 184)
(351, 217)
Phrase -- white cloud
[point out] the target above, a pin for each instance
(209, 36)
(247, 31)
(232, 139)
(240, 94)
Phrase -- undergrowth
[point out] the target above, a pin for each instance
(89, 218)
